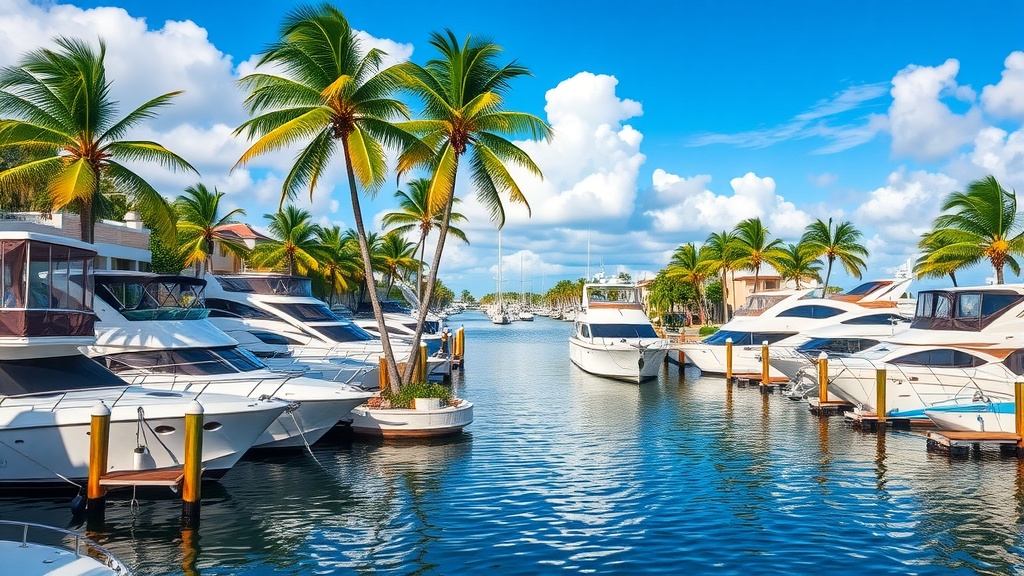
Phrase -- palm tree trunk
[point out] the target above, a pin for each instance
(952, 276)
(357, 215)
(428, 290)
(999, 275)
(757, 273)
(419, 275)
(725, 298)
(828, 274)
(85, 217)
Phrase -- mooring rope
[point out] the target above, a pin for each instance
(51, 470)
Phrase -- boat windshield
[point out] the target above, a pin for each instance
(307, 312)
(612, 294)
(745, 338)
(154, 298)
(836, 346)
(758, 303)
(189, 362)
(39, 375)
(343, 332)
(269, 285)
(966, 311)
(622, 331)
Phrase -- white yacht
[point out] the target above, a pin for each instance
(613, 337)
(48, 389)
(29, 549)
(785, 317)
(401, 325)
(153, 332)
(963, 342)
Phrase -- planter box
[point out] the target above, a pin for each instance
(426, 403)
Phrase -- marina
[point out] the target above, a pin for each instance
(563, 470)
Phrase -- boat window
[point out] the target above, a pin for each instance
(273, 338)
(836, 346)
(39, 277)
(220, 308)
(942, 306)
(995, 303)
(623, 331)
(1015, 362)
(307, 312)
(616, 294)
(866, 288)
(925, 303)
(968, 306)
(39, 375)
(240, 358)
(189, 362)
(153, 298)
(584, 331)
(270, 285)
(758, 303)
(810, 311)
(941, 357)
(876, 320)
(12, 255)
(343, 332)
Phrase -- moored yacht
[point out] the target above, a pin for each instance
(784, 317)
(613, 337)
(963, 342)
(153, 332)
(48, 389)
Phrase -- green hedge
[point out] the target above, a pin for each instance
(417, 390)
(708, 330)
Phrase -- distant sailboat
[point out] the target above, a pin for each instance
(498, 314)
(524, 313)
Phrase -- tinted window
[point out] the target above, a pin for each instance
(944, 357)
(865, 288)
(307, 312)
(992, 303)
(745, 338)
(836, 346)
(585, 331)
(925, 302)
(968, 306)
(220, 308)
(875, 319)
(241, 359)
(623, 331)
(272, 338)
(191, 362)
(811, 311)
(942, 307)
(343, 332)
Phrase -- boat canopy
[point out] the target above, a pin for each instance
(47, 289)
(268, 284)
(42, 375)
(758, 303)
(969, 311)
(745, 338)
(611, 295)
(140, 296)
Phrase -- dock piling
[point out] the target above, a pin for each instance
(1018, 404)
(382, 376)
(191, 483)
(766, 378)
(421, 362)
(880, 390)
(728, 360)
(99, 442)
(823, 378)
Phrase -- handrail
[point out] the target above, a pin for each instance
(106, 557)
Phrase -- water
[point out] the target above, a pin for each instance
(563, 472)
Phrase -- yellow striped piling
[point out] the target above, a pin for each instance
(880, 385)
(728, 359)
(421, 363)
(191, 483)
(99, 442)
(766, 377)
(1018, 404)
(462, 342)
(822, 378)
(382, 376)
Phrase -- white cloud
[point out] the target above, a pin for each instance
(1001, 154)
(903, 209)
(1006, 99)
(921, 124)
(691, 206)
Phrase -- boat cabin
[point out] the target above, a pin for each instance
(267, 284)
(142, 296)
(47, 286)
(965, 310)
(611, 296)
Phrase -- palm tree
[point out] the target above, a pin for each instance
(293, 246)
(198, 223)
(719, 255)
(397, 255)
(934, 265)
(796, 262)
(462, 94)
(330, 94)
(416, 213)
(983, 226)
(56, 103)
(339, 261)
(841, 242)
(754, 246)
(686, 266)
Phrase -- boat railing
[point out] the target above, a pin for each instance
(70, 540)
(896, 372)
(102, 394)
(298, 365)
(199, 384)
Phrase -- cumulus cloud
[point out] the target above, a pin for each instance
(922, 125)
(904, 208)
(691, 206)
(1006, 99)
(1001, 154)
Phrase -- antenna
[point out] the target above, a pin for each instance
(588, 255)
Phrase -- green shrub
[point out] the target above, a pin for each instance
(417, 390)
(708, 330)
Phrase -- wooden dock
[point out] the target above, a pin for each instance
(959, 443)
(170, 477)
(828, 407)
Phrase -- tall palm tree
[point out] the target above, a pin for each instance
(339, 262)
(934, 265)
(796, 262)
(462, 92)
(686, 266)
(198, 222)
(397, 255)
(841, 242)
(755, 246)
(416, 213)
(984, 225)
(293, 247)
(57, 103)
(332, 97)
(719, 255)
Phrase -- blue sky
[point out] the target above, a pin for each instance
(672, 119)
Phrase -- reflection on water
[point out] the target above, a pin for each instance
(563, 471)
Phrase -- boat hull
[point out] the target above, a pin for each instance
(618, 360)
(711, 359)
(976, 417)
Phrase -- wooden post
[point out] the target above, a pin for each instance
(822, 378)
(99, 442)
(191, 485)
(462, 342)
(766, 377)
(382, 376)
(421, 363)
(682, 357)
(880, 384)
(1018, 404)
(728, 359)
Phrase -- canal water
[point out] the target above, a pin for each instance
(563, 472)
